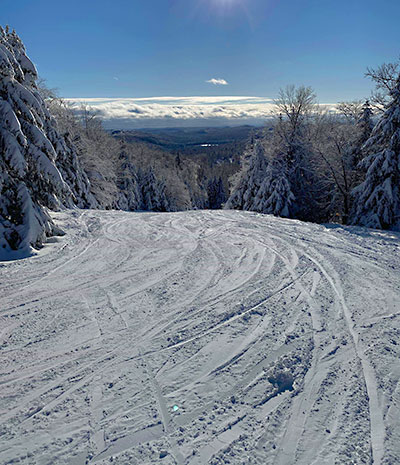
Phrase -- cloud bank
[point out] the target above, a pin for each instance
(217, 82)
(125, 113)
(178, 111)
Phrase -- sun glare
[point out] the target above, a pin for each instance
(226, 2)
(224, 6)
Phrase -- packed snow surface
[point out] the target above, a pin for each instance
(201, 337)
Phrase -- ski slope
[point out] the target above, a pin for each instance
(205, 337)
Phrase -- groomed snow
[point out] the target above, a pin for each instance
(201, 337)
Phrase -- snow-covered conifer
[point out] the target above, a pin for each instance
(274, 195)
(377, 199)
(128, 185)
(153, 192)
(245, 191)
(364, 128)
(30, 180)
(216, 193)
(365, 123)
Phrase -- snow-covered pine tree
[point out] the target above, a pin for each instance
(377, 199)
(30, 180)
(216, 193)
(274, 195)
(211, 193)
(66, 159)
(68, 164)
(364, 126)
(245, 191)
(130, 198)
(365, 123)
(153, 192)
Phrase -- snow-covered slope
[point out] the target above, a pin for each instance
(201, 337)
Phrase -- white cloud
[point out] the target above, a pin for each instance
(169, 111)
(217, 82)
(179, 108)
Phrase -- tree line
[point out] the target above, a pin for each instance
(322, 165)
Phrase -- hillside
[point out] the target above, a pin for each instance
(201, 337)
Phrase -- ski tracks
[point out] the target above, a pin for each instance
(200, 309)
(375, 408)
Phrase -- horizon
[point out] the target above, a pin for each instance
(175, 112)
(171, 112)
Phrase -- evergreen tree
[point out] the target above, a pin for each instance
(364, 127)
(216, 193)
(128, 184)
(244, 193)
(178, 160)
(377, 199)
(274, 195)
(30, 148)
(153, 192)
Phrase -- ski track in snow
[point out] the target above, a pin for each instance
(201, 338)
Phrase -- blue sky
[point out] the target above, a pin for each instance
(154, 48)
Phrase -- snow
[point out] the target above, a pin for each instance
(201, 337)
